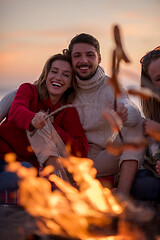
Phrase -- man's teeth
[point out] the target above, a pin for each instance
(84, 68)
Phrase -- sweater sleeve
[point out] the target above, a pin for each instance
(20, 112)
(72, 133)
(6, 103)
(134, 115)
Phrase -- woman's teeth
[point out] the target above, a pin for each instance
(56, 84)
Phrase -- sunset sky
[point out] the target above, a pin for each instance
(33, 30)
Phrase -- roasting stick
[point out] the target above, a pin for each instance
(60, 170)
(118, 55)
(53, 113)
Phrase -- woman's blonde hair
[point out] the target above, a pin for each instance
(150, 107)
(40, 84)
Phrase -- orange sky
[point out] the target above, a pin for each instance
(33, 30)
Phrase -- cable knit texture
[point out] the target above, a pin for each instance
(95, 95)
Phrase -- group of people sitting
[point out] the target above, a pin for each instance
(75, 77)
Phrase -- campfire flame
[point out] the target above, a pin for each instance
(67, 211)
(85, 212)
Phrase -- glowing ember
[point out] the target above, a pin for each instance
(29, 149)
(10, 157)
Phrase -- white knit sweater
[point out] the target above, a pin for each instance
(94, 95)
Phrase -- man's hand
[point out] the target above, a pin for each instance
(39, 120)
(122, 111)
(152, 128)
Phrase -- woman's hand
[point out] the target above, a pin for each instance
(122, 111)
(152, 128)
(39, 120)
(158, 167)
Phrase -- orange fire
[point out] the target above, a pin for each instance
(68, 211)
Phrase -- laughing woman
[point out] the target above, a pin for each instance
(54, 89)
(147, 182)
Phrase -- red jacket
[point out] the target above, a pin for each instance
(12, 132)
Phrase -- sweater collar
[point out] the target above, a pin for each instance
(96, 80)
(48, 104)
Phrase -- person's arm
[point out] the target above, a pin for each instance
(5, 104)
(20, 112)
(72, 132)
(134, 115)
(122, 112)
(152, 128)
(39, 121)
(129, 118)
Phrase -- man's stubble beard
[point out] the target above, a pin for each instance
(85, 78)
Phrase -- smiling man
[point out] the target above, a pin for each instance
(85, 60)
(95, 93)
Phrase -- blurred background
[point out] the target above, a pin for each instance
(31, 31)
